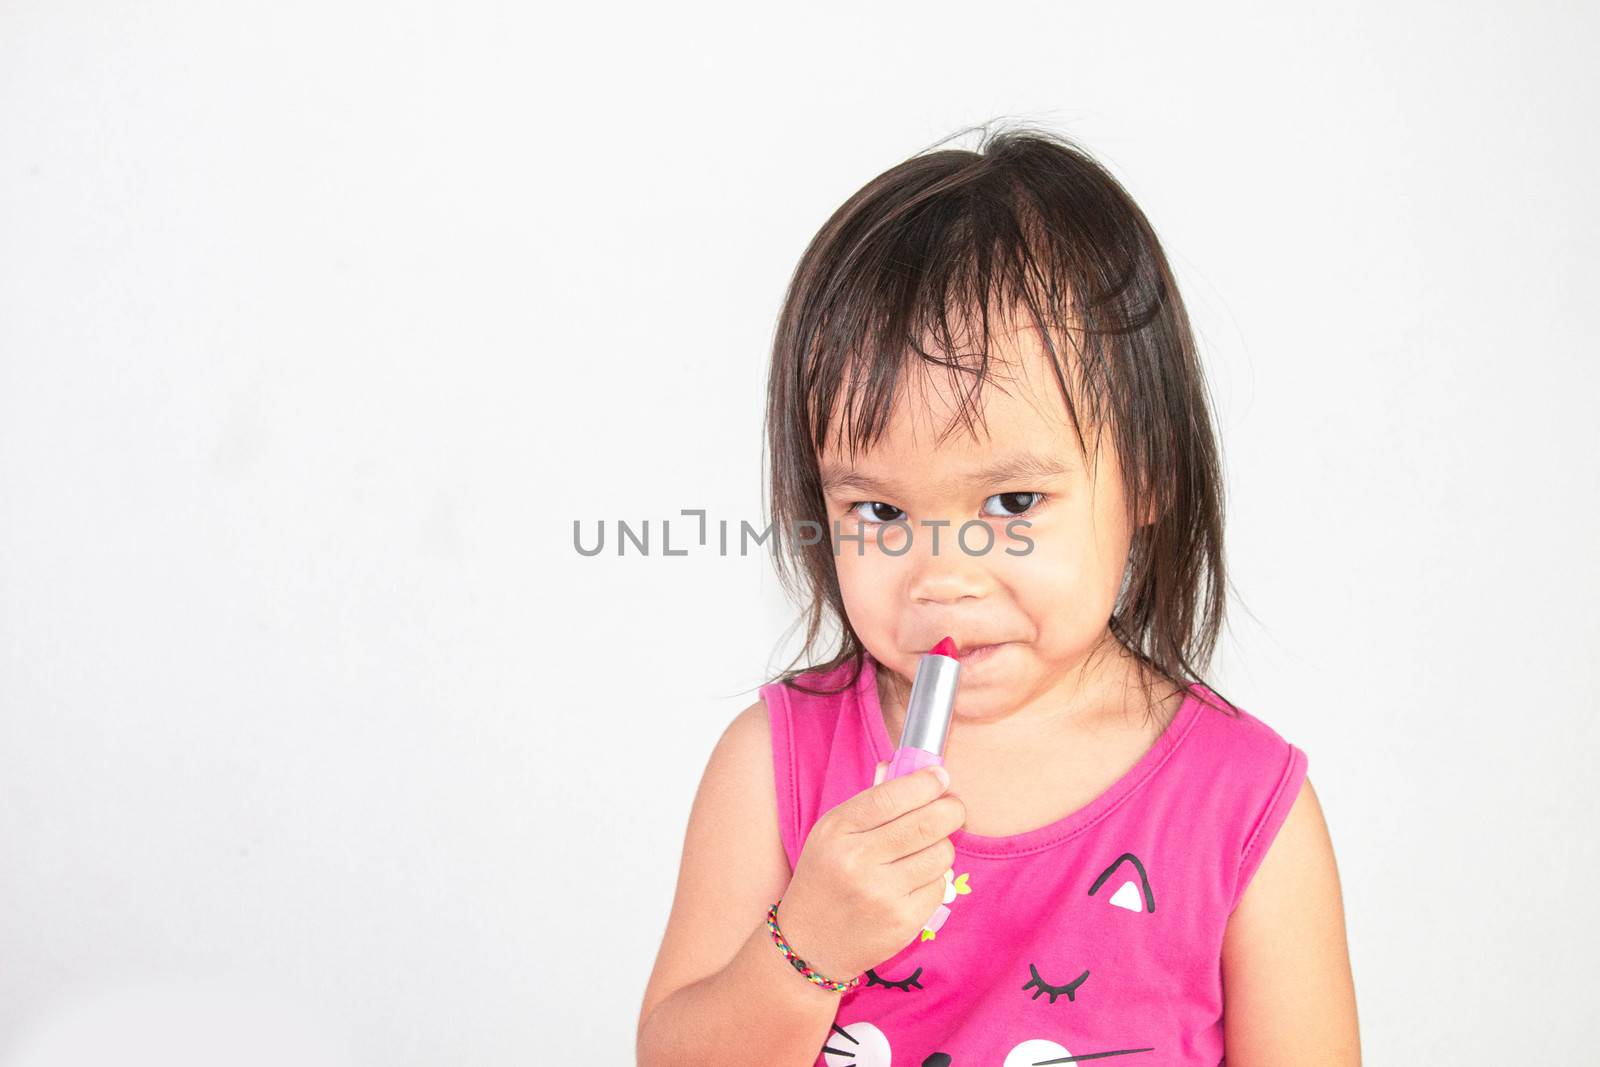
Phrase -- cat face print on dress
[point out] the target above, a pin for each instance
(1124, 884)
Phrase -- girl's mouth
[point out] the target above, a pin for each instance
(980, 653)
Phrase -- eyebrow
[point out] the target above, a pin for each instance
(1010, 468)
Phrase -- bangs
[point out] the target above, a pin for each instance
(927, 271)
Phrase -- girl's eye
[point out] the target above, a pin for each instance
(875, 511)
(1010, 504)
(1013, 504)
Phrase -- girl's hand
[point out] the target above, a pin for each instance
(871, 873)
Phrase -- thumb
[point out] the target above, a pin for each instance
(879, 771)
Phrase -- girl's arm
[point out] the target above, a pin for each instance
(721, 992)
(1289, 996)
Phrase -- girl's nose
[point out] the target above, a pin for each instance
(949, 575)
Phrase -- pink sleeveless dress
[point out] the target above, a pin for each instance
(1095, 938)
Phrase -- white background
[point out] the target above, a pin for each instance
(321, 323)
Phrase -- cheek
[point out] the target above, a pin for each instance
(1073, 572)
(868, 591)
(1050, 581)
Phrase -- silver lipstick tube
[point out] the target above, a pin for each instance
(932, 703)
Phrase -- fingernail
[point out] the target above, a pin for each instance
(944, 775)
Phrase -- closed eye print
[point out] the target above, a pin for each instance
(1039, 985)
(906, 984)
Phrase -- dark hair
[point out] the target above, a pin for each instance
(1027, 221)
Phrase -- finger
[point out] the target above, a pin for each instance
(915, 830)
(879, 771)
(892, 798)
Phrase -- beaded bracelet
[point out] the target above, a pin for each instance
(800, 964)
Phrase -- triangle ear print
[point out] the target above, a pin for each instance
(1128, 897)
(1138, 897)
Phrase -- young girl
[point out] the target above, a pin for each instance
(987, 421)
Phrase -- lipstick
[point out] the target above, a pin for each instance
(928, 711)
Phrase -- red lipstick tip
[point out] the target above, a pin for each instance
(947, 647)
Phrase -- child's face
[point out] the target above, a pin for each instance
(1048, 609)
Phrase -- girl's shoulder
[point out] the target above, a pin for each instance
(812, 701)
(1249, 773)
(1234, 736)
